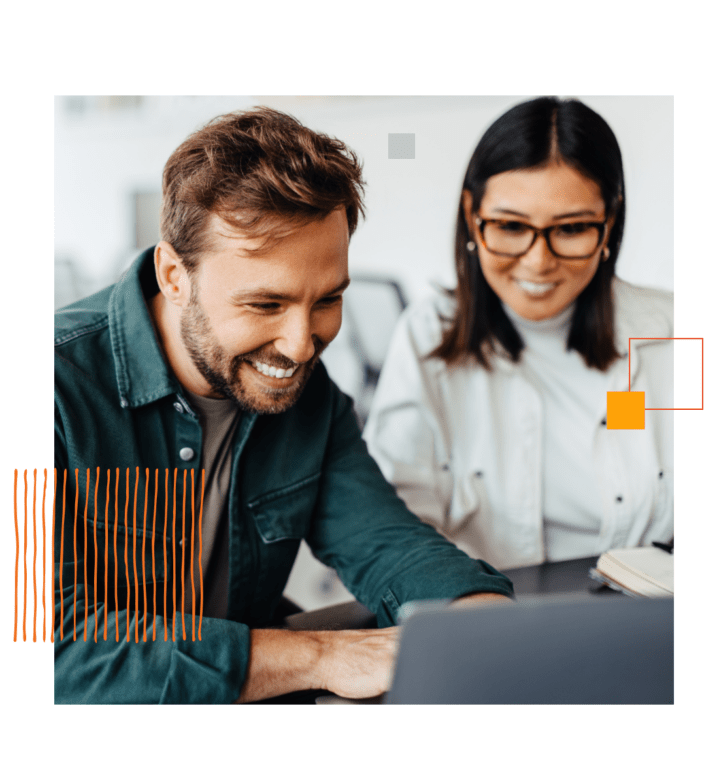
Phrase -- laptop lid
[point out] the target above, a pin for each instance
(552, 650)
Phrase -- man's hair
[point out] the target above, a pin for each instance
(530, 135)
(262, 172)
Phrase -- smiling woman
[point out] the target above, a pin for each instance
(490, 413)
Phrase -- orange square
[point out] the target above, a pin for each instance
(625, 410)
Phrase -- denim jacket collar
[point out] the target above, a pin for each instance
(143, 374)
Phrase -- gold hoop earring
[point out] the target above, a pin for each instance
(605, 253)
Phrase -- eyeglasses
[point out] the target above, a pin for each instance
(574, 240)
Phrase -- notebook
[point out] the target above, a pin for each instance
(637, 571)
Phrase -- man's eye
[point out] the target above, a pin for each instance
(266, 307)
(330, 300)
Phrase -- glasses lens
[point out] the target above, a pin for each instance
(578, 239)
(507, 238)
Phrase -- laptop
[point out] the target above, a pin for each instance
(560, 649)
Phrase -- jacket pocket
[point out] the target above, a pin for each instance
(285, 513)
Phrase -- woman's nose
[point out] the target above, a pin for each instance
(539, 257)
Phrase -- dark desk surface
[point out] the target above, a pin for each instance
(567, 576)
(554, 578)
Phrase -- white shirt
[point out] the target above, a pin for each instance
(466, 448)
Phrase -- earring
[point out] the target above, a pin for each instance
(605, 253)
(471, 245)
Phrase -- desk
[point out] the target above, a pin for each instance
(564, 577)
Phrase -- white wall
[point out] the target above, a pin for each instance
(102, 159)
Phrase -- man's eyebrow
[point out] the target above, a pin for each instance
(269, 295)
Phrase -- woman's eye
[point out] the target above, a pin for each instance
(512, 227)
(576, 228)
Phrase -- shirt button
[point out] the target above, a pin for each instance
(178, 407)
(186, 454)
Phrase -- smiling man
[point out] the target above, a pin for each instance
(200, 438)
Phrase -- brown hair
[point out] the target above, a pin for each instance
(528, 136)
(261, 171)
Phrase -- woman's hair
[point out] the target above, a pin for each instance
(531, 135)
(261, 171)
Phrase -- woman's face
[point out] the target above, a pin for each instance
(538, 285)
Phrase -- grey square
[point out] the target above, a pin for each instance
(400, 146)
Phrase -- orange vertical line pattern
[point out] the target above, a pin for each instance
(97, 483)
(182, 546)
(117, 514)
(107, 546)
(127, 565)
(84, 537)
(44, 489)
(174, 553)
(134, 556)
(52, 555)
(164, 557)
(74, 549)
(17, 554)
(144, 579)
(34, 556)
(154, 586)
(192, 546)
(199, 557)
(24, 563)
(62, 545)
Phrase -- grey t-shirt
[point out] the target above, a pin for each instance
(219, 419)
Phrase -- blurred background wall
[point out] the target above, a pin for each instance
(110, 151)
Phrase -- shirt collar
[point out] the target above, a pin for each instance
(143, 375)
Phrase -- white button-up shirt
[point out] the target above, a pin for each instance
(464, 446)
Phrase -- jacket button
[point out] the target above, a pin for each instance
(186, 454)
(178, 407)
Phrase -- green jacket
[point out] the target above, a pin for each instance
(301, 474)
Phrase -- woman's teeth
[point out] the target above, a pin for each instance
(275, 373)
(536, 289)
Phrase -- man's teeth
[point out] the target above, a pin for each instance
(275, 373)
(536, 288)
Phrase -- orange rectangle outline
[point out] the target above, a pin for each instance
(668, 338)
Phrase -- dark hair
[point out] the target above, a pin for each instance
(528, 136)
(261, 171)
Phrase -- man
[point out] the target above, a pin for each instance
(205, 358)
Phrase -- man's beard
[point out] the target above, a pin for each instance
(222, 372)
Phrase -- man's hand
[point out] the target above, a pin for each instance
(351, 663)
(358, 663)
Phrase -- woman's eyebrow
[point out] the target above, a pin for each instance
(586, 212)
(572, 214)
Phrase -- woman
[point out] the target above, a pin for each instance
(490, 416)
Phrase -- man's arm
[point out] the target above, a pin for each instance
(355, 664)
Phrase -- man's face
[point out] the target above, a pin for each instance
(255, 325)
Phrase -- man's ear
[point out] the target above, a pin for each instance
(171, 274)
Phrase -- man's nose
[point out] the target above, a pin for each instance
(296, 338)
